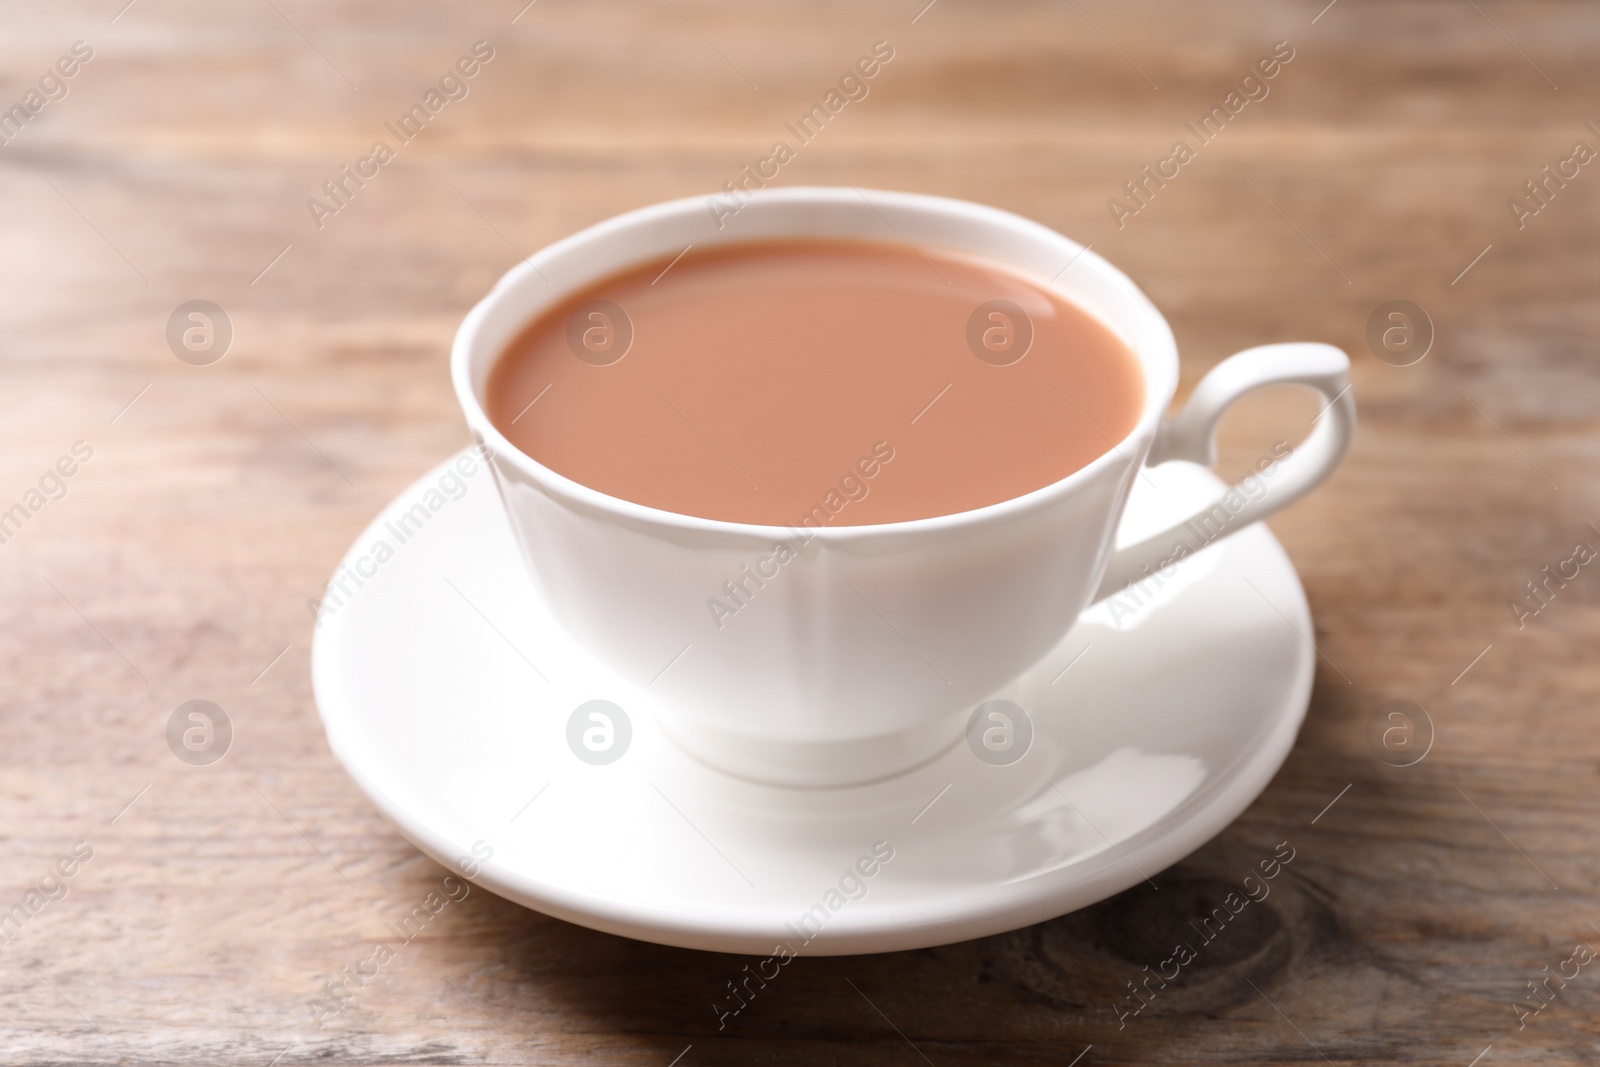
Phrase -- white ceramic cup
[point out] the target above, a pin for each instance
(864, 655)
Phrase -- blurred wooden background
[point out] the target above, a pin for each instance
(219, 497)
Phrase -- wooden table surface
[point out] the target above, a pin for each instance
(208, 905)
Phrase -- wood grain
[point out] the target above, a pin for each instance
(221, 899)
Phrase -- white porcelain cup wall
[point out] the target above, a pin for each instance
(863, 655)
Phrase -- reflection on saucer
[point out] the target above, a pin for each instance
(1088, 811)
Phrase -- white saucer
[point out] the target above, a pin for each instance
(1154, 728)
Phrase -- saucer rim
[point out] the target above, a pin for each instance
(991, 908)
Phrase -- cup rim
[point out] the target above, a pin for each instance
(1158, 364)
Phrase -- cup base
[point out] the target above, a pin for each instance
(807, 764)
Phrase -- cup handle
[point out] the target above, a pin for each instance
(1192, 436)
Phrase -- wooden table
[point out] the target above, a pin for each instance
(219, 899)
